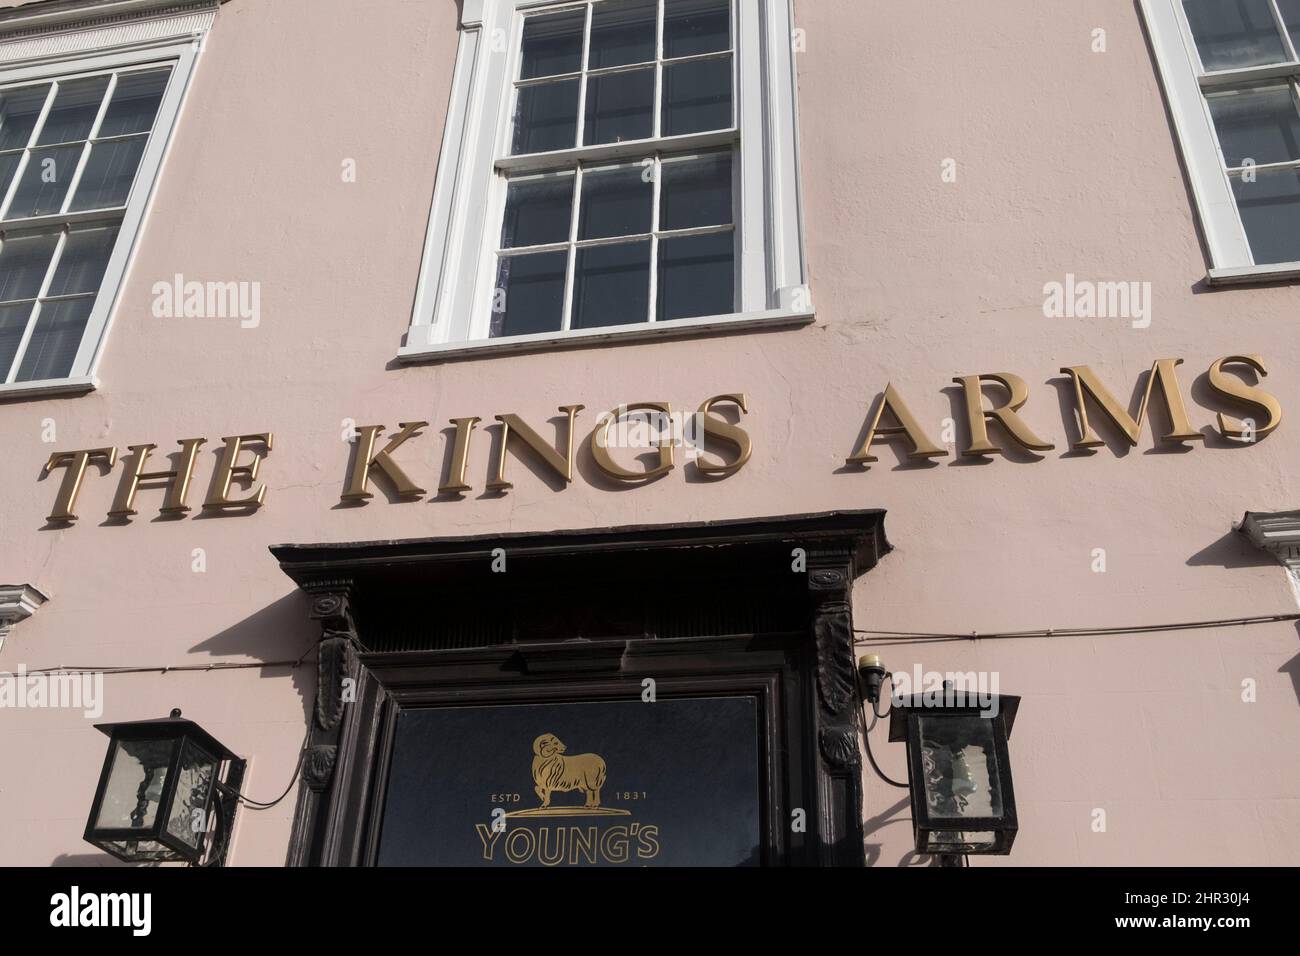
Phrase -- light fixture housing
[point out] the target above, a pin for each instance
(958, 770)
(156, 789)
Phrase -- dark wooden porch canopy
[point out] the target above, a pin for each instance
(537, 609)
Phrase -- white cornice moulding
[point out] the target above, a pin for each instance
(471, 13)
(97, 28)
(1277, 532)
(54, 15)
(18, 602)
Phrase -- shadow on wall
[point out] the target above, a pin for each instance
(281, 635)
(1233, 550)
(899, 813)
(1292, 670)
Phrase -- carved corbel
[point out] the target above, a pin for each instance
(318, 766)
(335, 655)
(829, 582)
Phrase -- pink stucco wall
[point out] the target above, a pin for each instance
(1066, 164)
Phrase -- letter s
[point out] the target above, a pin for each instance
(1234, 389)
(721, 430)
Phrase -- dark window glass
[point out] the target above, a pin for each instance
(620, 107)
(1235, 33)
(73, 114)
(55, 339)
(13, 321)
(692, 27)
(697, 96)
(19, 110)
(529, 294)
(45, 181)
(615, 202)
(84, 259)
(135, 103)
(622, 32)
(696, 192)
(110, 171)
(673, 784)
(538, 212)
(24, 260)
(1270, 211)
(611, 285)
(552, 44)
(546, 117)
(696, 276)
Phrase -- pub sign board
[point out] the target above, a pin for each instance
(674, 782)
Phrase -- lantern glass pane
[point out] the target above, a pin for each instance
(135, 784)
(961, 841)
(959, 766)
(189, 812)
(140, 850)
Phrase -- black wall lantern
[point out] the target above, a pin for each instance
(958, 770)
(156, 792)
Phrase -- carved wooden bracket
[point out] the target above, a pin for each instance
(318, 766)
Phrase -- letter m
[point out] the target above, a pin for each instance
(1163, 374)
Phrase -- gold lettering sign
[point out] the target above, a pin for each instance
(240, 457)
(1089, 390)
(554, 770)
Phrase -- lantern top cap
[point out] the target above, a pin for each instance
(167, 728)
(995, 707)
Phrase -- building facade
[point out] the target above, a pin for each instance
(552, 399)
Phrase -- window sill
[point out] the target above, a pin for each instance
(48, 386)
(614, 334)
(1248, 275)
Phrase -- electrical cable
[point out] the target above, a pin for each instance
(866, 732)
(257, 804)
(920, 636)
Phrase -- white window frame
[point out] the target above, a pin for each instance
(454, 294)
(140, 34)
(1185, 85)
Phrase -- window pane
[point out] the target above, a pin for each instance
(696, 276)
(107, 179)
(45, 181)
(24, 260)
(1235, 34)
(1270, 211)
(1290, 10)
(696, 26)
(697, 96)
(546, 117)
(538, 212)
(85, 256)
(620, 107)
(696, 192)
(611, 285)
(55, 340)
(19, 110)
(616, 202)
(622, 32)
(1260, 125)
(529, 294)
(8, 166)
(75, 107)
(553, 44)
(135, 103)
(13, 321)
